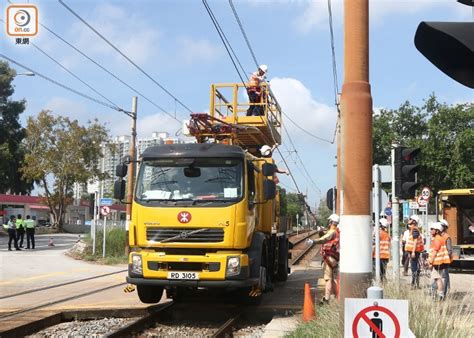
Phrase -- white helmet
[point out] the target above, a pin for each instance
(334, 218)
(266, 150)
(415, 218)
(437, 226)
(383, 222)
(444, 223)
(263, 68)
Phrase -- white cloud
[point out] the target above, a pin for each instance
(133, 35)
(192, 50)
(66, 107)
(297, 102)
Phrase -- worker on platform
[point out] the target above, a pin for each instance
(438, 258)
(330, 255)
(449, 247)
(254, 91)
(414, 246)
(20, 231)
(30, 232)
(384, 247)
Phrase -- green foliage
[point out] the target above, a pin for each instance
(323, 213)
(60, 148)
(114, 247)
(445, 134)
(295, 205)
(11, 136)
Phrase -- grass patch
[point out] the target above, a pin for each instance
(114, 248)
(427, 317)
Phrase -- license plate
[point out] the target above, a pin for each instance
(183, 275)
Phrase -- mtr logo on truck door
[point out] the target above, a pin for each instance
(184, 217)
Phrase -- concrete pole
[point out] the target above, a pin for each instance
(131, 171)
(395, 224)
(356, 151)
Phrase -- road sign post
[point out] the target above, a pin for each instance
(103, 235)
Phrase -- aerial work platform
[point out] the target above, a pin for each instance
(227, 120)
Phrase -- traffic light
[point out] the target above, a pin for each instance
(450, 47)
(405, 172)
(91, 204)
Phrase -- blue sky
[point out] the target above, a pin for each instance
(176, 43)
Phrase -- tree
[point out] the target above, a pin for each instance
(294, 205)
(323, 213)
(60, 152)
(445, 134)
(11, 136)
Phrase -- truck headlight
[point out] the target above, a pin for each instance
(137, 267)
(233, 266)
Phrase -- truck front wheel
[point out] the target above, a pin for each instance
(149, 294)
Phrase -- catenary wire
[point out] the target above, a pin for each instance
(109, 72)
(72, 74)
(124, 55)
(225, 41)
(334, 71)
(62, 85)
(243, 32)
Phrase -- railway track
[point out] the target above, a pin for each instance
(166, 319)
(301, 247)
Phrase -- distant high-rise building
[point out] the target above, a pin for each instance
(118, 149)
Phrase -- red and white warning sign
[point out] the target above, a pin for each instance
(104, 210)
(376, 318)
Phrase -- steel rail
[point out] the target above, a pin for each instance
(142, 323)
(303, 253)
(60, 284)
(62, 300)
(226, 329)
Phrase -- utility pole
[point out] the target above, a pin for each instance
(395, 224)
(131, 170)
(355, 154)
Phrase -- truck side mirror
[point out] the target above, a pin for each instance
(268, 169)
(119, 189)
(121, 170)
(269, 189)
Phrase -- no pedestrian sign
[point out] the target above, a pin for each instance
(376, 318)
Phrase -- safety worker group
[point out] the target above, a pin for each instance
(17, 228)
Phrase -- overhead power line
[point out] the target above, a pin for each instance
(63, 86)
(110, 73)
(243, 32)
(74, 75)
(225, 41)
(124, 55)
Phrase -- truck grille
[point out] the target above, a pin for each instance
(200, 235)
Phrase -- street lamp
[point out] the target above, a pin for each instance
(26, 74)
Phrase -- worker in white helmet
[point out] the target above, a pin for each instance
(384, 247)
(254, 91)
(266, 151)
(330, 255)
(414, 246)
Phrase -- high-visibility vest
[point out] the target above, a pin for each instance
(384, 245)
(29, 223)
(418, 243)
(445, 237)
(254, 83)
(331, 247)
(19, 224)
(441, 256)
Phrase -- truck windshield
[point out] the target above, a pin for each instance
(197, 180)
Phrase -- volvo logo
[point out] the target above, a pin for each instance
(184, 217)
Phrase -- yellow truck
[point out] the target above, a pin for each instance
(457, 207)
(206, 214)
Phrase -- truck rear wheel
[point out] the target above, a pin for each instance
(282, 272)
(149, 294)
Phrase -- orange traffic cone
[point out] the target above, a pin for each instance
(308, 305)
(51, 243)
